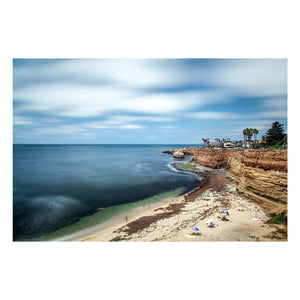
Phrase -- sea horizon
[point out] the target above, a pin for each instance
(187, 144)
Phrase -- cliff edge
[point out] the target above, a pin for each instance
(260, 175)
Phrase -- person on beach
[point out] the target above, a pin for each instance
(210, 224)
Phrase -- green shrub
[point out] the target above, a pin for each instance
(277, 146)
(189, 166)
(277, 219)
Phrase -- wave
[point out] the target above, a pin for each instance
(173, 168)
(170, 166)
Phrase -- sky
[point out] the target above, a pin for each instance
(145, 101)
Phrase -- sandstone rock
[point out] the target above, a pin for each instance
(168, 151)
(178, 154)
(260, 175)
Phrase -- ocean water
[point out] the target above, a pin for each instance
(57, 189)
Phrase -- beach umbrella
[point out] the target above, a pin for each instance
(223, 214)
(195, 228)
(224, 209)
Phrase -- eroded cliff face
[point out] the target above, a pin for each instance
(260, 175)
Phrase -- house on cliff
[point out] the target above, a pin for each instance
(229, 145)
(247, 144)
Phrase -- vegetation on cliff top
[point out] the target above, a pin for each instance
(275, 138)
(275, 135)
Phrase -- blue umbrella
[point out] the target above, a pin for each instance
(224, 209)
(195, 228)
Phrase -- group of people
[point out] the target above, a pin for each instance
(223, 215)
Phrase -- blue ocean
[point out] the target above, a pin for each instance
(60, 190)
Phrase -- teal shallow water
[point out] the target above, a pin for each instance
(101, 219)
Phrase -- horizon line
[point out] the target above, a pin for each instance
(107, 143)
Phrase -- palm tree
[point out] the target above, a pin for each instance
(249, 133)
(255, 132)
(206, 141)
(245, 133)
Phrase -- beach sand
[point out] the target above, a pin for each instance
(174, 218)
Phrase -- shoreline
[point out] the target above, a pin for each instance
(172, 219)
(119, 215)
(138, 211)
(141, 211)
(120, 219)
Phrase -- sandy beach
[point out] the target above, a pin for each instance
(173, 219)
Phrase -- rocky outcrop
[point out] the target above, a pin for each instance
(186, 151)
(260, 175)
(211, 158)
(178, 154)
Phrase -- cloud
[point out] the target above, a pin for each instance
(133, 73)
(86, 129)
(168, 128)
(277, 103)
(262, 77)
(252, 123)
(104, 125)
(121, 119)
(87, 96)
(273, 108)
(273, 114)
(215, 115)
(130, 126)
(83, 101)
(82, 88)
(19, 120)
(257, 76)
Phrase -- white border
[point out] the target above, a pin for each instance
(135, 29)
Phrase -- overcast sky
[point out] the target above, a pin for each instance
(145, 100)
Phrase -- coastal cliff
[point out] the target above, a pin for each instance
(260, 175)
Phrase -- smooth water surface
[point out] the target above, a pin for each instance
(55, 186)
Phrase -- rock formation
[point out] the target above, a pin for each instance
(178, 154)
(260, 175)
